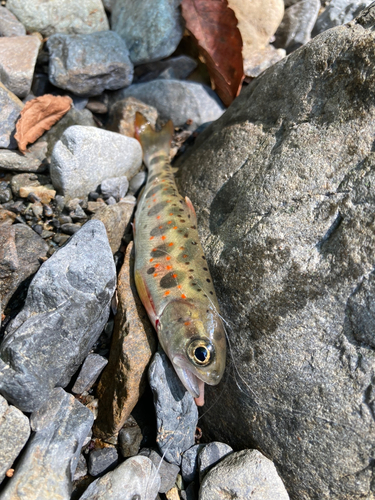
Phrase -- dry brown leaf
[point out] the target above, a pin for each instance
(213, 25)
(37, 116)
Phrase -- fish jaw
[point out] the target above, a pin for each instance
(191, 382)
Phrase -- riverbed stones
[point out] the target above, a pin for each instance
(90, 371)
(66, 308)
(102, 460)
(210, 455)
(122, 115)
(10, 110)
(116, 187)
(17, 162)
(167, 472)
(9, 24)
(339, 12)
(130, 438)
(84, 157)
(178, 68)
(107, 65)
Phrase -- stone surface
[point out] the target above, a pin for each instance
(102, 461)
(84, 157)
(176, 412)
(339, 12)
(129, 438)
(53, 16)
(9, 24)
(176, 100)
(14, 433)
(178, 68)
(47, 466)
(31, 180)
(167, 472)
(136, 478)
(106, 62)
(210, 455)
(137, 182)
(21, 253)
(81, 470)
(10, 109)
(189, 463)
(28, 162)
(133, 343)
(282, 186)
(90, 371)
(66, 308)
(261, 59)
(152, 30)
(5, 192)
(245, 475)
(44, 193)
(117, 187)
(122, 115)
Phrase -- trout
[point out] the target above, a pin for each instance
(171, 272)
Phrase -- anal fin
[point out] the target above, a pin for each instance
(193, 215)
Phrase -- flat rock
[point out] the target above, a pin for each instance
(102, 461)
(286, 221)
(53, 16)
(176, 411)
(136, 478)
(18, 162)
(30, 180)
(177, 68)
(133, 343)
(339, 12)
(189, 463)
(9, 24)
(210, 455)
(106, 62)
(17, 62)
(10, 110)
(122, 115)
(90, 371)
(130, 438)
(152, 30)
(48, 464)
(177, 100)
(84, 157)
(14, 433)
(245, 475)
(66, 308)
(167, 472)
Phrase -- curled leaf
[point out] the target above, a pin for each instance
(37, 116)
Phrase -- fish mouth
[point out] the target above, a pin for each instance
(192, 384)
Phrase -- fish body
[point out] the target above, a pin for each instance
(171, 272)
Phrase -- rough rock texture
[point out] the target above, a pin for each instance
(176, 411)
(210, 455)
(245, 475)
(189, 463)
(116, 187)
(53, 16)
(85, 156)
(14, 433)
(66, 308)
(129, 438)
(339, 12)
(152, 30)
(90, 371)
(177, 101)
(31, 161)
(47, 466)
(133, 343)
(283, 188)
(177, 68)
(122, 115)
(167, 472)
(106, 62)
(9, 24)
(10, 109)
(102, 461)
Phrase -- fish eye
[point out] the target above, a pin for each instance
(200, 352)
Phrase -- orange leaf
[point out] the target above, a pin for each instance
(213, 25)
(38, 115)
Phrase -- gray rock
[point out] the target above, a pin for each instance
(137, 182)
(116, 187)
(176, 411)
(177, 101)
(14, 433)
(106, 62)
(286, 220)
(53, 16)
(152, 30)
(81, 470)
(339, 12)
(28, 162)
(189, 463)
(90, 371)
(130, 438)
(48, 464)
(66, 308)
(84, 157)
(210, 455)
(177, 68)
(243, 475)
(167, 472)
(190, 493)
(5, 192)
(136, 478)
(9, 24)
(102, 461)
(10, 110)
(26, 180)
(69, 228)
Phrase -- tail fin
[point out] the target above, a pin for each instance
(152, 142)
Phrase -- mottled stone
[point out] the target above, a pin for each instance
(167, 472)
(117, 187)
(70, 228)
(47, 466)
(44, 193)
(5, 192)
(9, 24)
(27, 180)
(94, 206)
(178, 68)
(137, 182)
(81, 470)
(102, 461)
(189, 463)
(90, 371)
(106, 62)
(339, 12)
(259, 60)
(10, 110)
(7, 218)
(129, 438)
(122, 115)
(31, 161)
(133, 343)
(210, 455)
(66, 308)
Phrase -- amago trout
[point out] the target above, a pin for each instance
(171, 272)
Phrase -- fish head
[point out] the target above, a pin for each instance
(193, 338)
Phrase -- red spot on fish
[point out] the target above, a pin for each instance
(182, 248)
(160, 227)
(174, 275)
(170, 244)
(163, 180)
(187, 323)
(183, 296)
(156, 265)
(151, 260)
(155, 274)
(158, 217)
(184, 256)
(163, 238)
(169, 222)
(168, 258)
(179, 287)
(151, 238)
(154, 249)
(167, 292)
(175, 227)
(154, 200)
(171, 214)
(169, 268)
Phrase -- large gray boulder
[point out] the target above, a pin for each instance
(283, 185)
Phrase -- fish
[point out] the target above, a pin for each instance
(171, 272)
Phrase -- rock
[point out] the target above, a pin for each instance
(90, 371)
(261, 59)
(9, 24)
(189, 463)
(286, 220)
(47, 466)
(14, 433)
(10, 109)
(122, 115)
(133, 343)
(66, 308)
(44, 193)
(210, 455)
(136, 478)
(70, 228)
(17, 61)
(27, 180)
(174, 68)
(81, 470)
(5, 192)
(167, 472)
(172, 494)
(106, 62)
(18, 162)
(94, 206)
(21, 253)
(148, 37)
(51, 16)
(82, 159)
(102, 461)
(176, 411)
(137, 182)
(244, 474)
(130, 438)
(6, 217)
(339, 12)
(177, 101)
(116, 219)
(96, 106)
(117, 187)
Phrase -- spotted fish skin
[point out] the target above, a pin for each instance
(171, 271)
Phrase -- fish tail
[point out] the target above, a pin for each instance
(153, 143)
